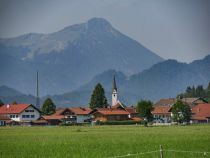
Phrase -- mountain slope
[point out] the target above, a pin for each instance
(71, 57)
(9, 95)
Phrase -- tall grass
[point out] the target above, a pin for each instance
(102, 141)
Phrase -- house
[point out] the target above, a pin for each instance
(110, 114)
(69, 115)
(162, 114)
(81, 114)
(4, 120)
(22, 113)
(201, 113)
(117, 111)
(53, 119)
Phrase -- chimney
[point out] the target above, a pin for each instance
(8, 106)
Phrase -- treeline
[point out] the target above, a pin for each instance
(198, 91)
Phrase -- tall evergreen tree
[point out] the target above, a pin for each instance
(48, 107)
(1, 102)
(98, 98)
(200, 91)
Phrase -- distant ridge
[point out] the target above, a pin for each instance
(163, 80)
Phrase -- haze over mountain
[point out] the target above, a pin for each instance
(163, 80)
(71, 57)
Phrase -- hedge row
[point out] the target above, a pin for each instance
(119, 122)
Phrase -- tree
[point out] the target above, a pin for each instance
(1, 102)
(208, 92)
(48, 107)
(181, 112)
(144, 108)
(200, 91)
(98, 98)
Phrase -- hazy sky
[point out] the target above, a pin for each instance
(177, 29)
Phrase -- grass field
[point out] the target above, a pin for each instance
(103, 141)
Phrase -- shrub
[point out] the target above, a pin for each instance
(129, 122)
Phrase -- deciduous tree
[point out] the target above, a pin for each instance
(181, 112)
(145, 107)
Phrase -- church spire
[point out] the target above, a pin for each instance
(114, 85)
(114, 92)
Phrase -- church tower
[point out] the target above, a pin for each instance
(114, 92)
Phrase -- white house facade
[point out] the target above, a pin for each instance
(20, 112)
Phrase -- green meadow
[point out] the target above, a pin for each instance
(105, 141)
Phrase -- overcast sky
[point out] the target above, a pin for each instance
(176, 29)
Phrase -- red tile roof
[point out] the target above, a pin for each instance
(53, 117)
(13, 109)
(80, 110)
(166, 102)
(131, 110)
(161, 110)
(59, 111)
(107, 111)
(201, 112)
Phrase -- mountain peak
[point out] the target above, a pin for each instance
(98, 23)
(101, 21)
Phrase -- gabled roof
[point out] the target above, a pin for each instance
(165, 102)
(131, 110)
(190, 101)
(201, 111)
(53, 117)
(118, 105)
(60, 111)
(172, 101)
(161, 110)
(110, 111)
(15, 108)
(81, 110)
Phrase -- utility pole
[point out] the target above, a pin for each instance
(37, 90)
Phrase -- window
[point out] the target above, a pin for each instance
(29, 110)
(16, 116)
(23, 116)
(32, 116)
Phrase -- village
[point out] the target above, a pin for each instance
(117, 113)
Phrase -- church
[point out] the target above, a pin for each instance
(116, 111)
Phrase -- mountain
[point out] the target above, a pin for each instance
(162, 80)
(81, 96)
(70, 58)
(9, 95)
